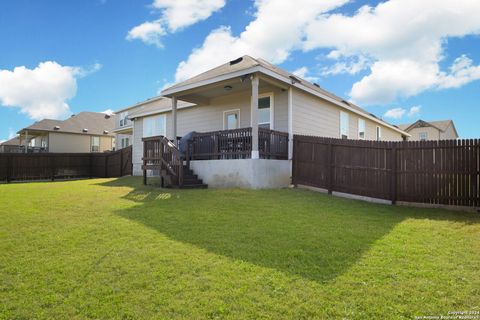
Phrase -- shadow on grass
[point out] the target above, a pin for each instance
(299, 232)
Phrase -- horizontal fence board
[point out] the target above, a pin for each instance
(435, 172)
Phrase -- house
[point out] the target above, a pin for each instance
(11, 145)
(84, 132)
(431, 130)
(123, 128)
(247, 111)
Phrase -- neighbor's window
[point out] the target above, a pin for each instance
(125, 142)
(423, 136)
(123, 119)
(344, 125)
(265, 114)
(95, 142)
(379, 133)
(361, 129)
(154, 126)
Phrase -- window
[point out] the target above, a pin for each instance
(379, 133)
(95, 144)
(343, 125)
(125, 142)
(265, 111)
(231, 119)
(361, 129)
(154, 126)
(423, 136)
(123, 119)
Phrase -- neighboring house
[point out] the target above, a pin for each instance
(123, 128)
(431, 130)
(251, 93)
(84, 132)
(11, 145)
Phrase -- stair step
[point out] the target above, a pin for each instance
(195, 186)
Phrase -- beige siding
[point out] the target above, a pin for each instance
(75, 143)
(65, 142)
(137, 151)
(118, 140)
(449, 133)
(432, 133)
(317, 117)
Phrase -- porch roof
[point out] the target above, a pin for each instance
(247, 65)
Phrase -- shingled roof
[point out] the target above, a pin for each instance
(441, 125)
(247, 62)
(96, 124)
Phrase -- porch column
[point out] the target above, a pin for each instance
(174, 119)
(290, 124)
(254, 117)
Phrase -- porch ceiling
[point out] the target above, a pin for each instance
(203, 95)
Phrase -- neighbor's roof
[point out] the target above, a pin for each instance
(441, 125)
(246, 62)
(12, 142)
(162, 104)
(96, 123)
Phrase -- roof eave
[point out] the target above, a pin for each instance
(172, 91)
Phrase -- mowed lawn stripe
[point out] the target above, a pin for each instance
(112, 248)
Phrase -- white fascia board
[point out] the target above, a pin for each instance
(159, 111)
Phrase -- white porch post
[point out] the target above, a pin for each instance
(290, 124)
(174, 119)
(254, 117)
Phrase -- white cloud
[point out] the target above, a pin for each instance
(399, 42)
(108, 112)
(41, 92)
(174, 16)
(148, 32)
(395, 113)
(414, 111)
(303, 73)
(405, 39)
(277, 30)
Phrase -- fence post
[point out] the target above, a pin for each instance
(393, 173)
(294, 162)
(90, 165)
(106, 166)
(121, 162)
(8, 168)
(52, 168)
(330, 167)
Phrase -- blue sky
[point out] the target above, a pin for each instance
(104, 54)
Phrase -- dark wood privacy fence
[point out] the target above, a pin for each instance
(237, 144)
(434, 172)
(51, 166)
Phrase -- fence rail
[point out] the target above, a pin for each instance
(237, 144)
(435, 172)
(51, 166)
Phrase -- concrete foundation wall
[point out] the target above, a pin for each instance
(243, 173)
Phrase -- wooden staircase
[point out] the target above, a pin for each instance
(162, 155)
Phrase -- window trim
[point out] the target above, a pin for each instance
(153, 116)
(272, 108)
(378, 133)
(364, 128)
(92, 145)
(420, 136)
(348, 124)
(230, 111)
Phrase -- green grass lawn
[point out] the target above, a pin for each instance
(109, 248)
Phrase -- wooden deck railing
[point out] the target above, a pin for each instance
(237, 144)
(161, 154)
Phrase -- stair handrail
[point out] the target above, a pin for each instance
(169, 156)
